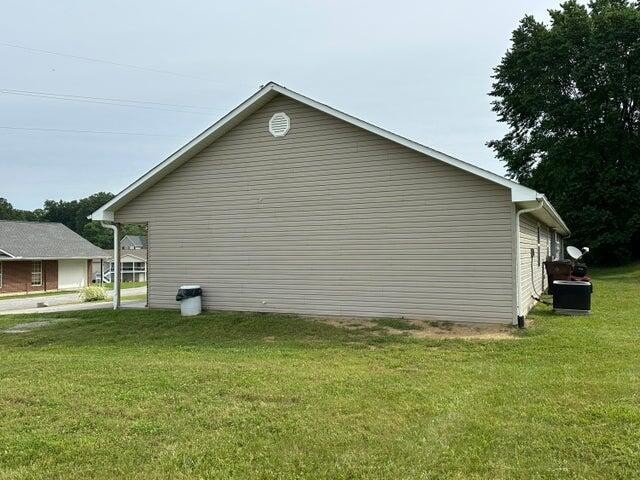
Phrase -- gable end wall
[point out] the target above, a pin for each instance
(329, 219)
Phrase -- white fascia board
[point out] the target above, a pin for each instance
(546, 214)
(15, 259)
(6, 253)
(562, 227)
(122, 256)
(519, 193)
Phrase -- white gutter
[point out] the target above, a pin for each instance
(519, 314)
(116, 263)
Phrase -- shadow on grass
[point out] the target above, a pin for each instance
(625, 274)
(163, 328)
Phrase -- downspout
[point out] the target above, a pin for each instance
(519, 314)
(115, 274)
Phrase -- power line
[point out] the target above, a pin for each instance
(107, 62)
(101, 101)
(99, 132)
(65, 95)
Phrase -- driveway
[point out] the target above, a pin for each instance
(26, 303)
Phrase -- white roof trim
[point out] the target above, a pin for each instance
(50, 258)
(6, 253)
(519, 193)
(122, 255)
(546, 214)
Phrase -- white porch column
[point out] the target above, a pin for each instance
(115, 275)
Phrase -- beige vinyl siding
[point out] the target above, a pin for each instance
(329, 219)
(529, 240)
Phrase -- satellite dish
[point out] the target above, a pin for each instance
(574, 252)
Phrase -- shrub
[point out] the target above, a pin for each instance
(93, 293)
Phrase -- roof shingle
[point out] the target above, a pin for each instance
(40, 240)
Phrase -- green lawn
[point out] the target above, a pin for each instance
(138, 394)
(125, 285)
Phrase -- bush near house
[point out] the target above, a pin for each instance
(93, 293)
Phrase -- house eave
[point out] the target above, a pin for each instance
(20, 259)
(547, 214)
(519, 193)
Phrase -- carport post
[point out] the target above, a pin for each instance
(115, 274)
(116, 266)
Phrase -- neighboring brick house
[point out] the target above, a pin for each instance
(42, 256)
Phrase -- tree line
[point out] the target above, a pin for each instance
(74, 215)
(569, 92)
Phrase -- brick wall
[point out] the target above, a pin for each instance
(16, 276)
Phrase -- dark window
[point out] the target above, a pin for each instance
(538, 245)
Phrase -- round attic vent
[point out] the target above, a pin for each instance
(279, 124)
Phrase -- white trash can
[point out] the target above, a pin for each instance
(190, 298)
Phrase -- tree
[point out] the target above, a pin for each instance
(74, 214)
(570, 95)
(7, 212)
(98, 235)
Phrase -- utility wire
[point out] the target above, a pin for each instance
(112, 102)
(107, 62)
(99, 132)
(65, 95)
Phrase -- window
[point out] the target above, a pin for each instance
(0, 274)
(538, 244)
(554, 245)
(36, 273)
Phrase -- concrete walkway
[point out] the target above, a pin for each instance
(74, 307)
(61, 303)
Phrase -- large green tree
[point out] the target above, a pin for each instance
(7, 212)
(569, 92)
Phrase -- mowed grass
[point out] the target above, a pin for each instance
(125, 285)
(138, 394)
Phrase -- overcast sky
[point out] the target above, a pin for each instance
(421, 69)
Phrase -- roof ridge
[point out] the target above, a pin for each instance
(33, 221)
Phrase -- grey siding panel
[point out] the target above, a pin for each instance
(529, 240)
(331, 220)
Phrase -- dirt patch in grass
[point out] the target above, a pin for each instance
(29, 326)
(424, 328)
